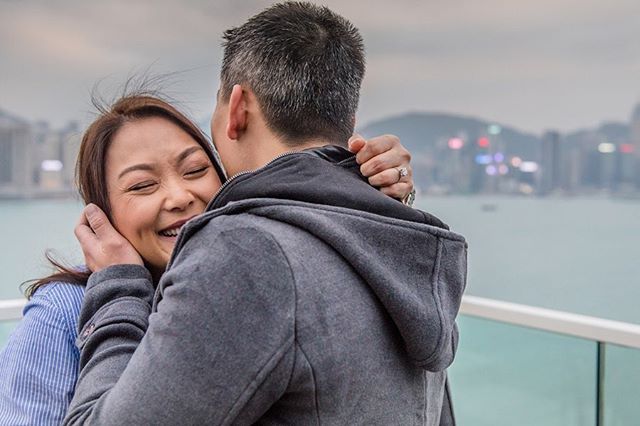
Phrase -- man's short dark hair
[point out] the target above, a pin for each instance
(305, 65)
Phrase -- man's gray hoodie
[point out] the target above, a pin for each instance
(303, 296)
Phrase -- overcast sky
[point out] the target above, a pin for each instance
(533, 64)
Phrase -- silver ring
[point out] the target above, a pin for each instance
(402, 172)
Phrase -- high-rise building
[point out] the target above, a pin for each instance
(70, 138)
(45, 149)
(575, 160)
(15, 155)
(635, 142)
(551, 162)
(635, 130)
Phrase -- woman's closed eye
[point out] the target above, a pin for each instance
(197, 171)
(142, 186)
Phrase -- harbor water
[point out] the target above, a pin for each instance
(578, 255)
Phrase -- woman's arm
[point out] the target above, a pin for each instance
(39, 364)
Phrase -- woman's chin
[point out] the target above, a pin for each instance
(161, 250)
(168, 243)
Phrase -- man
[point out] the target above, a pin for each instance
(304, 295)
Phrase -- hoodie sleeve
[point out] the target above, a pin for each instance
(219, 349)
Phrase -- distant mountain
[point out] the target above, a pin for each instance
(611, 132)
(426, 131)
(420, 131)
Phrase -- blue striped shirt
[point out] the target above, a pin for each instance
(39, 364)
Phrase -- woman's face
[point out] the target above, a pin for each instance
(158, 177)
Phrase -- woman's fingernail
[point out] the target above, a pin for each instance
(90, 210)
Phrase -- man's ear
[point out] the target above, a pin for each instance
(237, 122)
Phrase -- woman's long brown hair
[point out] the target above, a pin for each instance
(90, 165)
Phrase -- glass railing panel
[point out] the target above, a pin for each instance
(621, 386)
(510, 375)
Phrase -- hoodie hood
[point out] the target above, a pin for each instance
(411, 261)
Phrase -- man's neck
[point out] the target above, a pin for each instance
(270, 149)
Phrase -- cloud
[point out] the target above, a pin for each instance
(564, 63)
(39, 40)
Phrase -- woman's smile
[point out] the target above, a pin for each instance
(173, 230)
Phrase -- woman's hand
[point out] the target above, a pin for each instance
(383, 160)
(101, 244)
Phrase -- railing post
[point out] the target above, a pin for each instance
(600, 360)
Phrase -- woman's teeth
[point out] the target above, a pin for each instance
(173, 232)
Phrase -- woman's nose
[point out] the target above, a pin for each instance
(179, 197)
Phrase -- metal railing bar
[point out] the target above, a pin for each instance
(591, 328)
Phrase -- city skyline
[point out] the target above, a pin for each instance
(559, 65)
(451, 155)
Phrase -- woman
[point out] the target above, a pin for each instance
(150, 170)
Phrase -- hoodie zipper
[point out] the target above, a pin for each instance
(246, 172)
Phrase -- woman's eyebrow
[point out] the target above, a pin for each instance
(187, 152)
(135, 167)
(183, 155)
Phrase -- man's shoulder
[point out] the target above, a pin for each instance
(231, 221)
(232, 251)
(221, 232)
(216, 225)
